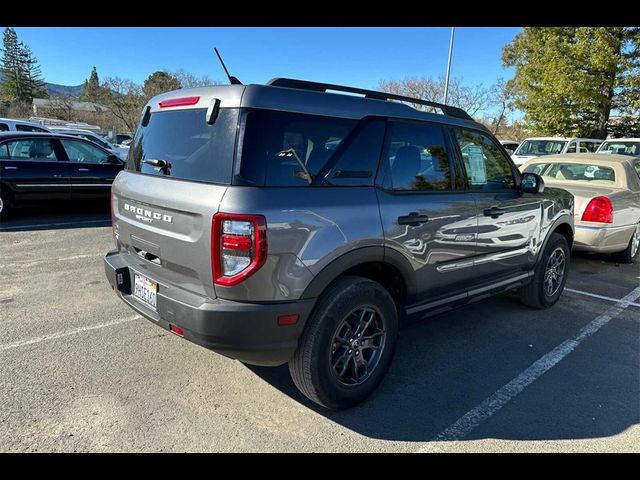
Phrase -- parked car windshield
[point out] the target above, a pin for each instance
(540, 147)
(621, 148)
(575, 172)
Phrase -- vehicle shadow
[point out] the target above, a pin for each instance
(58, 217)
(447, 365)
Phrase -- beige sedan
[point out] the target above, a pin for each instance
(606, 188)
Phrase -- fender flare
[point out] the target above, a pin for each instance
(338, 266)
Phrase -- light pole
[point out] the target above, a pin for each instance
(446, 82)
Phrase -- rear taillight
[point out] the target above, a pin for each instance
(599, 209)
(113, 220)
(238, 247)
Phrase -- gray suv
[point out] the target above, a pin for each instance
(283, 223)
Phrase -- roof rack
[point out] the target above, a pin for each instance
(323, 87)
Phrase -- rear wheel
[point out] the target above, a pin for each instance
(550, 275)
(630, 254)
(347, 345)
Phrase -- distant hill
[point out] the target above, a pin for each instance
(57, 90)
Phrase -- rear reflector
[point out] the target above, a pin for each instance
(177, 330)
(179, 102)
(599, 209)
(288, 319)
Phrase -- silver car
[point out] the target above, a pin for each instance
(607, 199)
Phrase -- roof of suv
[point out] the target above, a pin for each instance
(311, 98)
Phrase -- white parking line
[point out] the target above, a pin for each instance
(602, 297)
(65, 224)
(74, 331)
(474, 417)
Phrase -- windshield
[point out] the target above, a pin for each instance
(621, 148)
(575, 172)
(190, 148)
(540, 147)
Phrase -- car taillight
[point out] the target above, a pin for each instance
(238, 246)
(599, 209)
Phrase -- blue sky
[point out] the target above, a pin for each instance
(355, 56)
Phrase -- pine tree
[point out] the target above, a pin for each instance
(91, 91)
(34, 85)
(21, 74)
(11, 87)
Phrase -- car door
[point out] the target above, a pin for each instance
(35, 170)
(508, 220)
(92, 172)
(426, 215)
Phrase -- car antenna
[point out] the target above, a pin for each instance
(232, 80)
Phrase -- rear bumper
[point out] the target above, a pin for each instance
(244, 331)
(591, 238)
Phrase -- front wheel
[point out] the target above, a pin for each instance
(347, 345)
(550, 274)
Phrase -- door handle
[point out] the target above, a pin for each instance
(83, 169)
(11, 168)
(57, 176)
(493, 212)
(413, 219)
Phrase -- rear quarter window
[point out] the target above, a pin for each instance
(284, 149)
(193, 149)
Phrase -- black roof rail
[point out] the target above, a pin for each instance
(323, 87)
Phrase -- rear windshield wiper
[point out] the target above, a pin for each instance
(159, 165)
(292, 153)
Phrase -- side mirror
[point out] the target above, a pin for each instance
(531, 183)
(113, 159)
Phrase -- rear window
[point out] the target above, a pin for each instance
(576, 172)
(193, 149)
(284, 149)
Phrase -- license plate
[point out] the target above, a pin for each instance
(145, 290)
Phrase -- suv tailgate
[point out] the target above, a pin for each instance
(164, 227)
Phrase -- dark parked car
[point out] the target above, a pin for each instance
(38, 168)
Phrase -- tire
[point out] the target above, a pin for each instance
(543, 294)
(5, 204)
(630, 254)
(330, 337)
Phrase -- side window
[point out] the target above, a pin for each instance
(20, 127)
(40, 149)
(486, 166)
(285, 149)
(416, 157)
(571, 148)
(589, 146)
(83, 152)
(636, 165)
(4, 152)
(4, 127)
(357, 163)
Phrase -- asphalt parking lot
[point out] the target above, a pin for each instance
(82, 372)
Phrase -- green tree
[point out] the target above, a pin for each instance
(91, 92)
(34, 84)
(21, 74)
(12, 85)
(159, 82)
(568, 79)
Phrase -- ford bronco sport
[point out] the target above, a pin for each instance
(290, 222)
